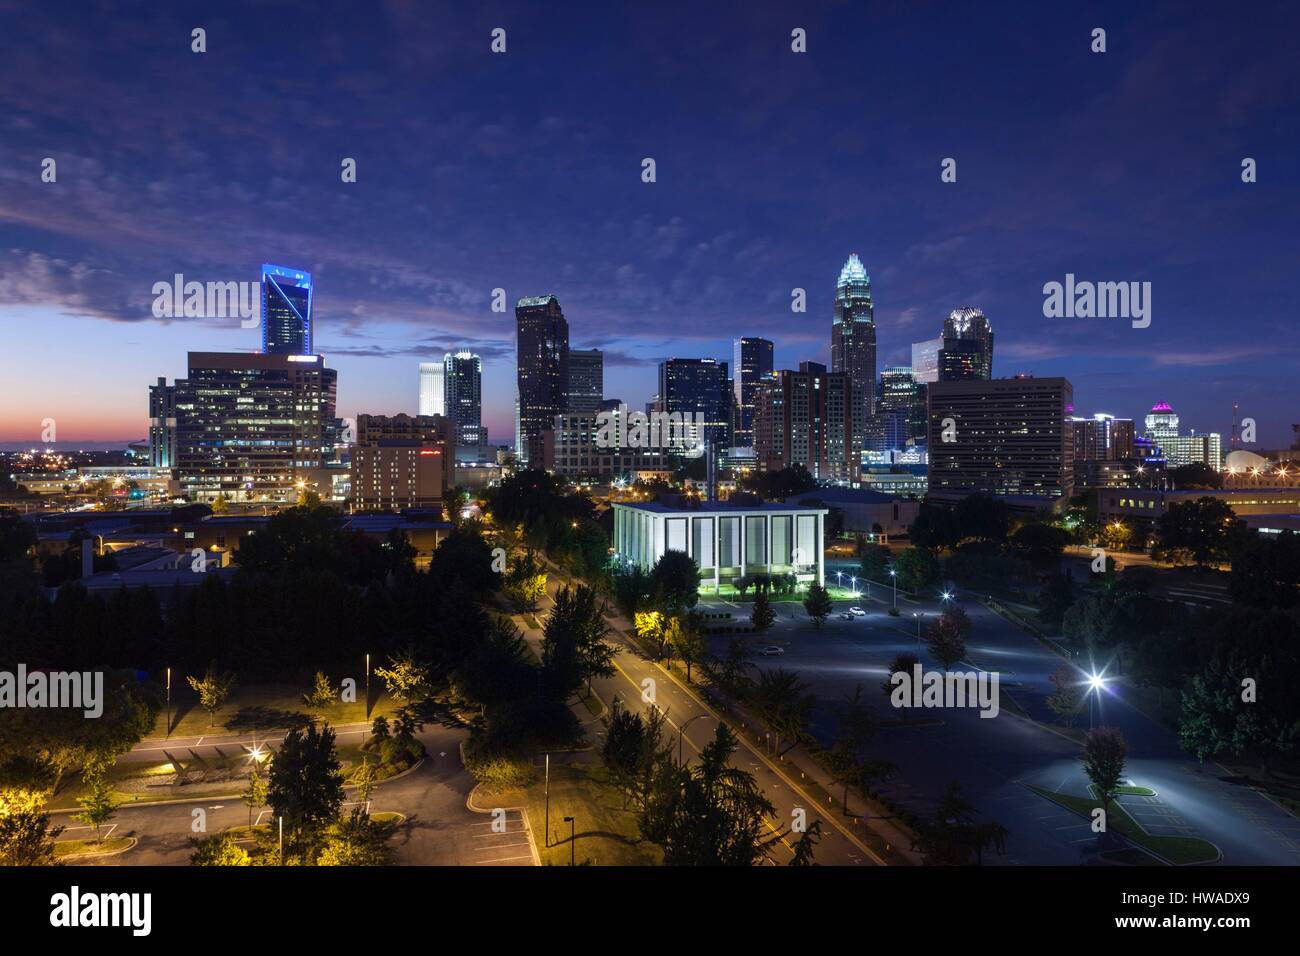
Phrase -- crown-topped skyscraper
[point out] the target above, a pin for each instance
(853, 345)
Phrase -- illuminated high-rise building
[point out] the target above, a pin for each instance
(694, 386)
(586, 380)
(542, 373)
(752, 364)
(286, 311)
(925, 360)
(463, 375)
(967, 351)
(433, 388)
(853, 344)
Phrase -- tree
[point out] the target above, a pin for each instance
(357, 840)
(685, 636)
(573, 648)
(1039, 544)
(1202, 530)
(322, 693)
(97, 805)
(953, 838)
(364, 779)
(818, 604)
(917, 568)
(26, 837)
(902, 664)
(1066, 699)
(710, 814)
(254, 795)
(220, 849)
(623, 750)
(762, 616)
(1266, 571)
(213, 689)
(946, 636)
(675, 582)
(806, 844)
(1104, 753)
(1055, 599)
(405, 677)
(848, 760)
(875, 561)
(650, 626)
(221, 505)
(305, 785)
(784, 704)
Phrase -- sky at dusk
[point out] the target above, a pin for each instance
(522, 171)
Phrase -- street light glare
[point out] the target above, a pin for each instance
(1096, 681)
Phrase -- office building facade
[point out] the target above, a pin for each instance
(463, 378)
(586, 380)
(247, 425)
(433, 388)
(1006, 436)
(752, 363)
(925, 360)
(542, 373)
(401, 461)
(804, 419)
(286, 311)
(698, 388)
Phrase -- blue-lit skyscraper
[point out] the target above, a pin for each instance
(286, 311)
(853, 343)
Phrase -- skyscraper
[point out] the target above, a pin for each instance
(433, 388)
(802, 419)
(967, 346)
(751, 364)
(925, 360)
(542, 372)
(286, 311)
(162, 425)
(853, 344)
(1180, 449)
(698, 386)
(1007, 436)
(896, 409)
(586, 380)
(463, 373)
(247, 425)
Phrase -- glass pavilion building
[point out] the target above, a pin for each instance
(726, 541)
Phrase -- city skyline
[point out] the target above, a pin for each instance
(405, 260)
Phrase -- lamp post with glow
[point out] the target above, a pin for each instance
(681, 730)
(893, 574)
(1095, 684)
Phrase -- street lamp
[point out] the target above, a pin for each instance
(917, 615)
(853, 585)
(1096, 682)
(894, 575)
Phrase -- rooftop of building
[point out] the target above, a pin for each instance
(715, 507)
(841, 495)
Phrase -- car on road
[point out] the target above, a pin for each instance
(772, 651)
(857, 612)
(845, 616)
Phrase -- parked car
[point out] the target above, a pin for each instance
(857, 612)
(772, 651)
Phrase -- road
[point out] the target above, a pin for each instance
(633, 672)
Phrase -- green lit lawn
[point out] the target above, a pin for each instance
(64, 849)
(606, 833)
(265, 707)
(1181, 851)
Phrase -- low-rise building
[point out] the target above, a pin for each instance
(727, 541)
